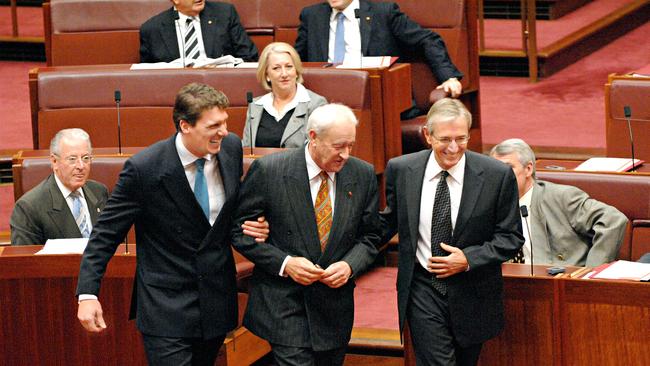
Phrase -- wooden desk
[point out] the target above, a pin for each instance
(559, 164)
(39, 323)
(564, 321)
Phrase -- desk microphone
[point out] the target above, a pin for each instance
(358, 16)
(118, 99)
(249, 101)
(524, 213)
(628, 114)
(178, 24)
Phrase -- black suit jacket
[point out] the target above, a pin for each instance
(279, 309)
(42, 213)
(185, 274)
(222, 33)
(385, 31)
(488, 230)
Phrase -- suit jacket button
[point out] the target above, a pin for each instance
(560, 257)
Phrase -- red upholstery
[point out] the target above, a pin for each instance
(630, 193)
(621, 91)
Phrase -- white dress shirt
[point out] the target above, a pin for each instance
(70, 201)
(352, 34)
(216, 190)
(181, 30)
(429, 185)
(525, 200)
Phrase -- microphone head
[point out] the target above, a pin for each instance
(176, 16)
(628, 111)
(356, 13)
(524, 211)
(118, 96)
(249, 97)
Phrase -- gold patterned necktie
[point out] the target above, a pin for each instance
(323, 208)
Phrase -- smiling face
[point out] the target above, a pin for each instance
(331, 148)
(68, 164)
(189, 7)
(207, 133)
(448, 141)
(282, 73)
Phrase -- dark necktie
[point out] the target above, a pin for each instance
(441, 230)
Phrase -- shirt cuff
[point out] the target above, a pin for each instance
(84, 297)
(284, 264)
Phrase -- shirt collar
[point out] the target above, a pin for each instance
(266, 101)
(433, 169)
(65, 191)
(187, 158)
(313, 170)
(182, 18)
(347, 12)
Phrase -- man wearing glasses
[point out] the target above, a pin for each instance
(66, 204)
(457, 216)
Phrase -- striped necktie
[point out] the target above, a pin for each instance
(191, 40)
(323, 208)
(79, 214)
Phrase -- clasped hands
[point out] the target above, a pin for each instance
(449, 265)
(304, 272)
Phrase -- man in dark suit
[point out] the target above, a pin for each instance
(381, 30)
(66, 204)
(209, 29)
(457, 216)
(320, 204)
(180, 194)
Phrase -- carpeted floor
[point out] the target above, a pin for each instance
(30, 21)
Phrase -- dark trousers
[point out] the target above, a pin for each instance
(428, 318)
(170, 351)
(300, 356)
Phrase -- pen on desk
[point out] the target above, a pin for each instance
(580, 272)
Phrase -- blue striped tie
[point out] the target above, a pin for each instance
(201, 188)
(79, 214)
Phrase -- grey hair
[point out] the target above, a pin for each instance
(447, 110)
(326, 115)
(70, 133)
(515, 146)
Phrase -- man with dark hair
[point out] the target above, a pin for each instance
(180, 194)
(330, 32)
(457, 216)
(322, 206)
(66, 204)
(197, 29)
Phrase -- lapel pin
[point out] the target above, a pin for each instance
(349, 194)
(209, 22)
(367, 18)
(98, 209)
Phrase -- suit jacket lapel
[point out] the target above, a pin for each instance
(345, 183)
(297, 183)
(296, 122)
(322, 27)
(91, 201)
(208, 32)
(414, 193)
(255, 119)
(60, 213)
(472, 186)
(168, 33)
(174, 180)
(365, 24)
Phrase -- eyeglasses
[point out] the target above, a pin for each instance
(73, 159)
(460, 141)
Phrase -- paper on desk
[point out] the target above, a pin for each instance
(626, 270)
(367, 62)
(64, 246)
(203, 62)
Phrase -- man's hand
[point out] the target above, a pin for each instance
(90, 316)
(447, 266)
(303, 271)
(451, 86)
(337, 274)
(257, 229)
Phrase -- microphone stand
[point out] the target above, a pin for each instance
(524, 213)
(249, 101)
(118, 99)
(628, 114)
(358, 16)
